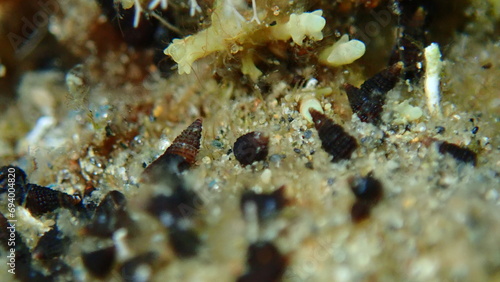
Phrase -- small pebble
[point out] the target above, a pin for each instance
(307, 134)
(266, 176)
(309, 165)
(440, 129)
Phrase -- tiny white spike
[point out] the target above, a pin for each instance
(137, 13)
(153, 4)
(193, 7)
(255, 16)
(164, 4)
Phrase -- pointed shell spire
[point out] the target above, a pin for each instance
(335, 141)
(187, 144)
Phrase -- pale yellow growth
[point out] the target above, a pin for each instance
(342, 52)
(229, 31)
(406, 113)
(299, 27)
(127, 4)
(248, 67)
(227, 28)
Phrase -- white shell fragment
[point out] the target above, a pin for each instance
(433, 67)
(342, 52)
(307, 103)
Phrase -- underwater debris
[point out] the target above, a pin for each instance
(265, 263)
(368, 192)
(368, 100)
(100, 263)
(458, 153)
(334, 140)
(251, 147)
(267, 205)
(181, 155)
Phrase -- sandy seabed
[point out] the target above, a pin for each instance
(438, 219)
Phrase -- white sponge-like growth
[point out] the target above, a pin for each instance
(229, 30)
(342, 52)
(300, 26)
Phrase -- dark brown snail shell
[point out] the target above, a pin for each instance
(251, 147)
(368, 100)
(335, 141)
